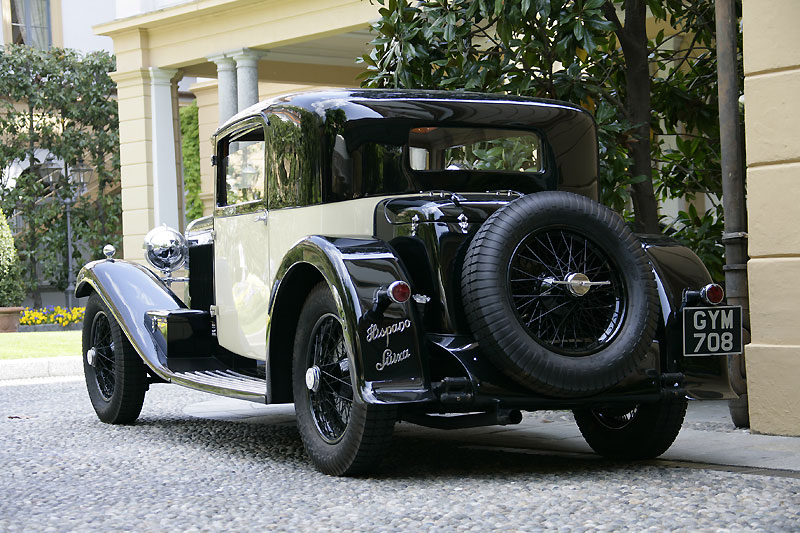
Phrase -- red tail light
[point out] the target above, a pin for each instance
(712, 293)
(399, 292)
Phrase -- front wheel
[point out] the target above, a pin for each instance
(116, 377)
(341, 434)
(643, 431)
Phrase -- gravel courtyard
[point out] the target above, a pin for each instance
(63, 470)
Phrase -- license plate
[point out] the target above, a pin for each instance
(712, 330)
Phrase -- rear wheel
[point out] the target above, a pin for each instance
(116, 377)
(341, 434)
(641, 431)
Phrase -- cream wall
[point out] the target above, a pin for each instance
(772, 136)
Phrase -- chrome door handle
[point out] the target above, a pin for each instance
(262, 217)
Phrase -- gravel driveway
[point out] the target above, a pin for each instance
(63, 470)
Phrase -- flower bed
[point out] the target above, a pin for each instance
(54, 316)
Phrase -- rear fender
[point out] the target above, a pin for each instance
(677, 269)
(386, 352)
(130, 291)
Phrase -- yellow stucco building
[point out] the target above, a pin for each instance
(772, 138)
(248, 50)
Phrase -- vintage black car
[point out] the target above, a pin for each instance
(433, 257)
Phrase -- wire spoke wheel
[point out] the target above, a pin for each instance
(566, 291)
(640, 431)
(116, 379)
(341, 433)
(333, 399)
(616, 418)
(104, 364)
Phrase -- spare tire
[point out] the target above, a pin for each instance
(559, 294)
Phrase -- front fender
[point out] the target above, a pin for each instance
(130, 290)
(388, 368)
(677, 269)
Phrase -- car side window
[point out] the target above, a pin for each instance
(241, 173)
(293, 159)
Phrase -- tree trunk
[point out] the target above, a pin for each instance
(633, 38)
(36, 293)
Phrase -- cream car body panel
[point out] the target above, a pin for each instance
(241, 283)
(351, 218)
(248, 253)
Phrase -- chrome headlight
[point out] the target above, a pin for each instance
(165, 249)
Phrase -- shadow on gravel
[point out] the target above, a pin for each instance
(407, 457)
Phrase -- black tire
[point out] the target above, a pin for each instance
(644, 431)
(740, 411)
(737, 373)
(528, 318)
(342, 435)
(117, 381)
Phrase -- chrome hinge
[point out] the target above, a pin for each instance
(213, 311)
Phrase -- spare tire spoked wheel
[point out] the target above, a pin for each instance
(566, 291)
(559, 294)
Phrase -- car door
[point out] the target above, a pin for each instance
(241, 240)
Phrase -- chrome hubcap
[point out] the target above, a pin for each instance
(90, 356)
(313, 378)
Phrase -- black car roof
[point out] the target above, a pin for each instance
(570, 130)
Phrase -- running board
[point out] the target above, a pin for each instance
(224, 382)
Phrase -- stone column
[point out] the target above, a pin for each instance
(246, 76)
(135, 153)
(165, 179)
(226, 85)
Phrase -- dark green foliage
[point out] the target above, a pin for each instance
(11, 292)
(190, 147)
(581, 51)
(59, 101)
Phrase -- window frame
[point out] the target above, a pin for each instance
(221, 143)
(54, 30)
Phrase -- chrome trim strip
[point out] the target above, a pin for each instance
(244, 208)
(200, 225)
(366, 256)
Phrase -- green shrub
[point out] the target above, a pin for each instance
(11, 292)
(190, 138)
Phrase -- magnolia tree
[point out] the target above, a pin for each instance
(658, 133)
(60, 103)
